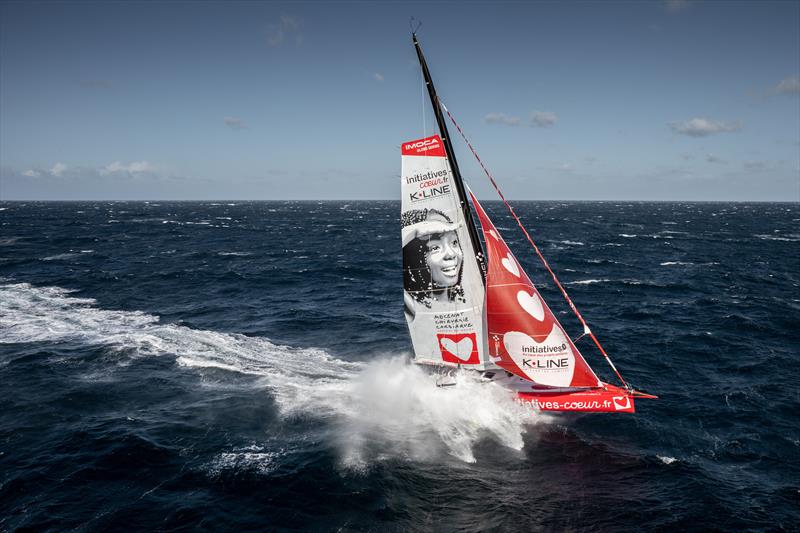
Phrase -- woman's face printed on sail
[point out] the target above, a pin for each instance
(444, 257)
(433, 259)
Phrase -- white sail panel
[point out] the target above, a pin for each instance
(444, 292)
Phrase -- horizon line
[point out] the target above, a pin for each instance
(386, 200)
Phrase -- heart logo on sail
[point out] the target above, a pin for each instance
(550, 362)
(459, 348)
(531, 303)
(493, 233)
(509, 264)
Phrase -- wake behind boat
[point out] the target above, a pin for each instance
(469, 303)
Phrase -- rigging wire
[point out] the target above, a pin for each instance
(586, 330)
(422, 99)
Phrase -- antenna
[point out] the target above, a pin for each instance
(411, 25)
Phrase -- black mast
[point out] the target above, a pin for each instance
(451, 156)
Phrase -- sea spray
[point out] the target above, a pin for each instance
(383, 409)
(397, 409)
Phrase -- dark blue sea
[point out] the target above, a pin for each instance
(232, 366)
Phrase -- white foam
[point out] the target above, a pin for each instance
(58, 257)
(386, 409)
(667, 460)
(401, 407)
(788, 238)
(587, 281)
(253, 457)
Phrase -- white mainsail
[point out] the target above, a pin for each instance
(444, 291)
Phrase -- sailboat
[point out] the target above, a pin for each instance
(469, 303)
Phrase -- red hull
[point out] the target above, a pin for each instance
(609, 399)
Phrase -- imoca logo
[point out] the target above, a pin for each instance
(420, 144)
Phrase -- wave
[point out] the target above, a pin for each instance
(788, 238)
(687, 263)
(58, 257)
(626, 281)
(381, 410)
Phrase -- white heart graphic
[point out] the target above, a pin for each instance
(493, 233)
(532, 304)
(464, 346)
(550, 362)
(619, 405)
(509, 264)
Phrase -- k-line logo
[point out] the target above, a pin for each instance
(426, 194)
(548, 363)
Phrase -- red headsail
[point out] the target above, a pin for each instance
(524, 336)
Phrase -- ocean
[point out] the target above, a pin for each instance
(180, 366)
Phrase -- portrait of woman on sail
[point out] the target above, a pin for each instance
(432, 260)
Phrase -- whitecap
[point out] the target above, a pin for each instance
(788, 238)
(58, 257)
(253, 457)
(386, 409)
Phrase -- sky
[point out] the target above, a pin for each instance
(661, 100)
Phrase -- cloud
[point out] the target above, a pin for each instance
(58, 169)
(676, 6)
(132, 169)
(502, 118)
(701, 127)
(32, 173)
(284, 30)
(788, 86)
(543, 119)
(755, 165)
(235, 123)
(378, 76)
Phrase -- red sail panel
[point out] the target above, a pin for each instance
(524, 336)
